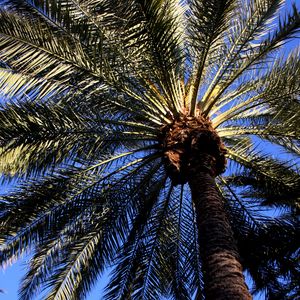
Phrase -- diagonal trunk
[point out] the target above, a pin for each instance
(194, 153)
(222, 271)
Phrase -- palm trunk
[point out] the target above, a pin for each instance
(222, 271)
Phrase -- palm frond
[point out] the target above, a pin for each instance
(158, 26)
(176, 253)
(34, 137)
(287, 29)
(269, 267)
(105, 203)
(24, 48)
(92, 89)
(137, 257)
(275, 94)
(207, 25)
(81, 184)
(261, 174)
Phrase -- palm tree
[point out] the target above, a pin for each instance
(118, 121)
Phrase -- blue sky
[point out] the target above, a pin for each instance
(11, 276)
(9, 282)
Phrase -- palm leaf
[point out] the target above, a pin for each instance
(91, 89)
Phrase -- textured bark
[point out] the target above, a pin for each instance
(185, 140)
(223, 277)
